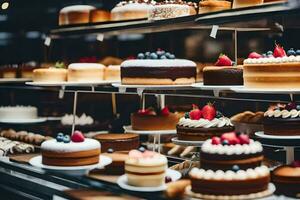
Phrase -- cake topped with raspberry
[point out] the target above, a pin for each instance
(200, 124)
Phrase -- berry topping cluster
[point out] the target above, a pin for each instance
(159, 54)
(207, 112)
(224, 60)
(150, 111)
(63, 138)
(231, 138)
(77, 136)
(290, 106)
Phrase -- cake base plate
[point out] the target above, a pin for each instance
(162, 87)
(187, 143)
(260, 195)
(265, 90)
(122, 182)
(128, 129)
(261, 134)
(24, 121)
(14, 80)
(70, 83)
(37, 162)
(215, 87)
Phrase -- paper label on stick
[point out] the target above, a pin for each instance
(214, 31)
(47, 41)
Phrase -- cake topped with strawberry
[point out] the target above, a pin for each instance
(150, 119)
(70, 151)
(200, 124)
(223, 73)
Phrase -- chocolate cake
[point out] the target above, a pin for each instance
(227, 75)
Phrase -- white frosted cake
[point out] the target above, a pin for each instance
(18, 112)
(85, 72)
(171, 10)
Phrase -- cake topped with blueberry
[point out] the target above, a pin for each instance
(70, 151)
(158, 68)
(282, 119)
(201, 124)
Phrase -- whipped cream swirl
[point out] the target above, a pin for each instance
(284, 59)
(282, 113)
(204, 123)
(238, 149)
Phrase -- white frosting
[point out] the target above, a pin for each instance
(86, 66)
(158, 63)
(204, 123)
(155, 160)
(132, 7)
(18, 112)
(238, 149)
(82, 120)
(53, 145)
(165, 11)
(261, 171)
(282, 113)
(77, 8)
(285, 59)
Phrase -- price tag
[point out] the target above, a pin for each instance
(47, 41)
(100, 37)
(214, 31)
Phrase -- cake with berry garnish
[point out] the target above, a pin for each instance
(150, 120)
(287, 179)
(127, 10)
(70, 151)
(231, 149)
(158, 68)
(223, 73)
(274, 70)
(201, 124)
(171, 9)
(282, 119)
(230, 169)
(146, 168)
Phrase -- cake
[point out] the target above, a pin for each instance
(223, 73)
(145, 169)
(112, 73)
(246, 3)
(117, 167)
(74, 151)
(99, 15)
(150, 120)
(172, 9)
(277, 70)
(248, 122)
(85, 72)
(128, 10)
(287, 179)
(9, 71)
(200, 124)
(158, 68)
(230, 169)
(118, 142)
(18, 112)
(76, 14)
(51, 74)
(207, 6)
(26, 70)
(282, 119)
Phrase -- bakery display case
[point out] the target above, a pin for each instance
(140, 102)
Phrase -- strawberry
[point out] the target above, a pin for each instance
(254, 55)
(165, 111)
(231, 137)
(223, 60)
(244, 139)
(279, 51)
(77, 136)
(209, 112)
(196, 113)
(215, 140)
(146, 112)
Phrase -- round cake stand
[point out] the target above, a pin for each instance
(175, 140)
(289, 143)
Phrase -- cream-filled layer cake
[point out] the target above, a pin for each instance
(51, 74)
(18, 112)
(76, 14)
(74, 151)
(85, 72)
(145, 169)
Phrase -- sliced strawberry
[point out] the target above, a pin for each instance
(77, 136)
(209, 112)
(254, 55)
(165, 111)
(279, 51)
(223, 60)
(215, 140)
(244, 139)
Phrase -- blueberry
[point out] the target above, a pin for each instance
(298, 52)
(264, 55)
(269, 53)
(225, 142)
(66, 139)
(187, 115)
(298, 107)
(168, 179)
(60, 134)
(153, 56)
(163, 57)
(291, 52)
(172, 56)
(235, 168)
(167, 55)
(110, 150)
(141, 56)
(142, 149)
(59, 138)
